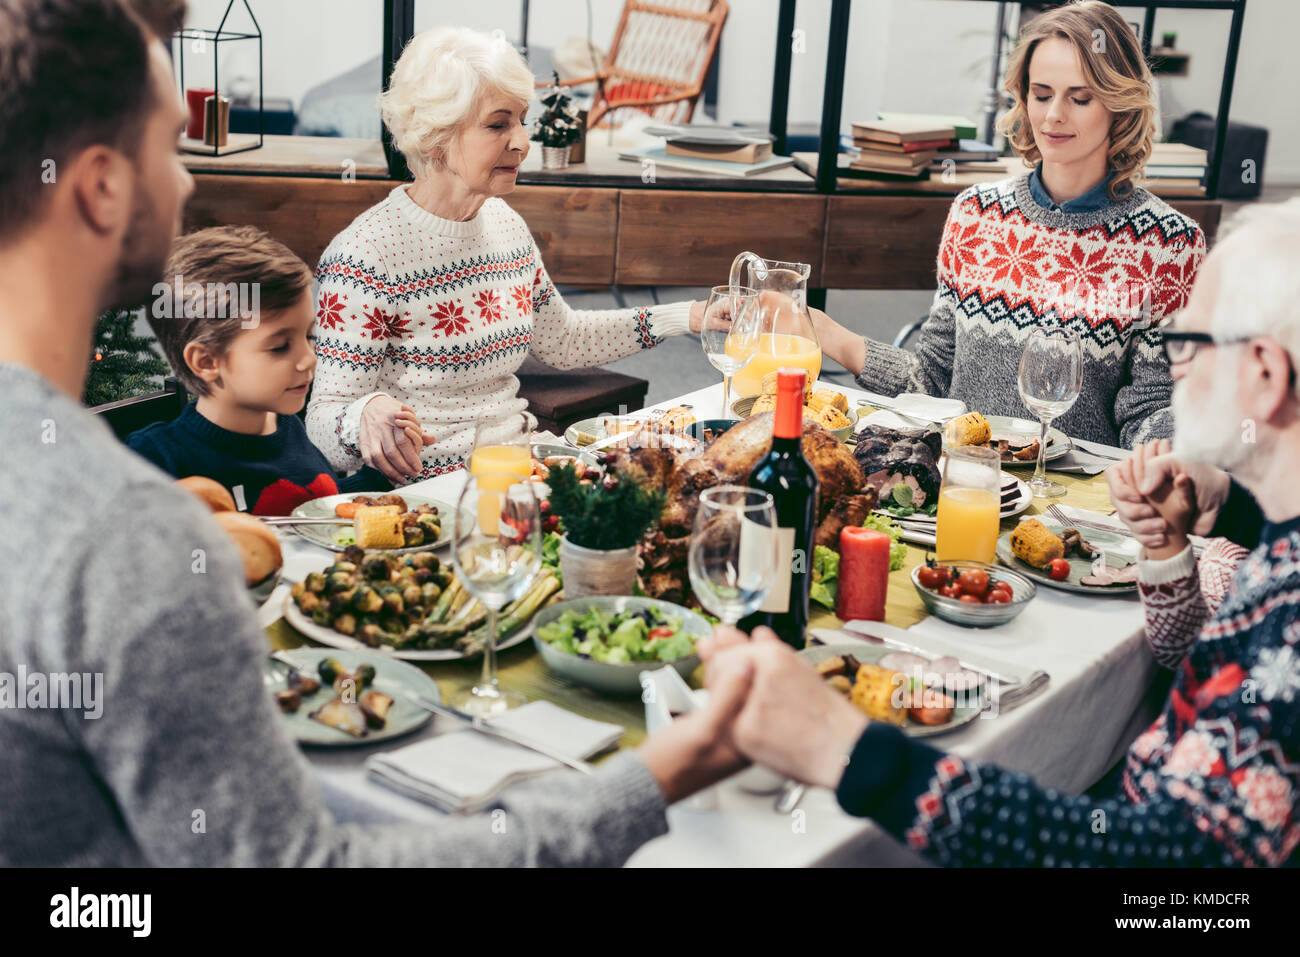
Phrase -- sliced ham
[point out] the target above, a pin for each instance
(904, 662)
(1112, 576)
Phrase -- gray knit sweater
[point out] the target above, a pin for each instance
(186, 763)
(1007, 265)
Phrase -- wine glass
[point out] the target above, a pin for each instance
(496, 562)
(1051, 375)
(734, 551)
(729, 334)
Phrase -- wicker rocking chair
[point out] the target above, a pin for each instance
(658, 61)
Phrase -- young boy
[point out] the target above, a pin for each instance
(236, 334)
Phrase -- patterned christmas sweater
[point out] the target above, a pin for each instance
(1214, 781)
(1007, 265)
(439, 315)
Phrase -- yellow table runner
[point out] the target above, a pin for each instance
(522, 668)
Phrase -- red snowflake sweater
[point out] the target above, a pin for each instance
(1007, 265)
(439, 315)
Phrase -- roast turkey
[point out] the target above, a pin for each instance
(729, 459)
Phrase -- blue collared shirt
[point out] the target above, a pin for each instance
(1091, 201)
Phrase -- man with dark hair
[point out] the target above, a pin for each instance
(118, 589)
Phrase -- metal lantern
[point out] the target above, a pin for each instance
(208, 109)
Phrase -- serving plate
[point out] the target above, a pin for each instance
(334, 639)
(1120, 551)
(328, 536)
(392, 677)
(962, 715)
(1006, 426)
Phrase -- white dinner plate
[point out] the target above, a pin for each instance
(335, 639)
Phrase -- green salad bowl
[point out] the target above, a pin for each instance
(621, 680)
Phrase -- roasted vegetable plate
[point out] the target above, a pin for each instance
(883, 683)
(410, 606)
(342, 698)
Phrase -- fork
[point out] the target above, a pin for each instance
(1058, 513)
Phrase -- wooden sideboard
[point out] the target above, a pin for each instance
(679, 230)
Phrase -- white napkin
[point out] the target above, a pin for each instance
(463, 770)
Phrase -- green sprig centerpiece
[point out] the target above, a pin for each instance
(612, 513)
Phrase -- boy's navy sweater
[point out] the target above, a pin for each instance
(266, 474)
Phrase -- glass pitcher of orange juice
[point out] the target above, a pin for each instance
(786, 335)
(970, 500)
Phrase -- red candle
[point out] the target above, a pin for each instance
(194, 100)
(864, 574)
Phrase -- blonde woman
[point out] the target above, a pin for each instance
(428, 302)
(1075, 243)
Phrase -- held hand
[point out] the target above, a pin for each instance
(391, 438)
(1168, 492)
(1206, 486)
(697, 750)
(1141, 517)
(791, 722)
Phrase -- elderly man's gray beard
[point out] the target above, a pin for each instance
(1211, 428)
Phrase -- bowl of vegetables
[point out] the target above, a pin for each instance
(604, 642)
(974, 594)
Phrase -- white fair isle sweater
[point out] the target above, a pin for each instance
(439, 315)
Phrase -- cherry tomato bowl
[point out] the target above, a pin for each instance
(961, 610)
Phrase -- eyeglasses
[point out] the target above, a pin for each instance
(1183, 346)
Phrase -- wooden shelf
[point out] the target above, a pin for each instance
(323, 157)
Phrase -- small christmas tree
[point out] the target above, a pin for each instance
(558, 125)
(122, 364)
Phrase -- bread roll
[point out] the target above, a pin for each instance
(257, 544)
(212, 493)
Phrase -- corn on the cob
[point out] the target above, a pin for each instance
(1034, 544)
(378, 526)
(831, 418)
(824, 398)
(873, 693)
(969, 429)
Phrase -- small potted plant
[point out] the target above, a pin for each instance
(557, 128)
(603, 522)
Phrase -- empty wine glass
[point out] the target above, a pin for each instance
(729, 334)
(734, 551)
(496, 562)
(1051, 375)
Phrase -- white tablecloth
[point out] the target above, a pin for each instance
(1066, 737)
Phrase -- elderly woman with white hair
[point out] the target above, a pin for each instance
(428, 301)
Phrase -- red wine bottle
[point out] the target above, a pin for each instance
(785, 474)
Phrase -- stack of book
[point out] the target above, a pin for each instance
(714, 150)
(1176, 169)
(897, 149)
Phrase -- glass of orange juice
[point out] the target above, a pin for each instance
(501, 455)
(970, 501)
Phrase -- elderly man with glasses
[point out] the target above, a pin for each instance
(1215, 780)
